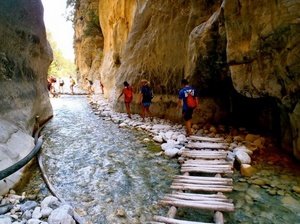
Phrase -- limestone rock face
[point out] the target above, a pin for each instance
(225, 48)
(263, 55)
(88, 40)
(25, 56)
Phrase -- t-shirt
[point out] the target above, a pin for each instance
(128, 94)
(183, 93)
(147, 94)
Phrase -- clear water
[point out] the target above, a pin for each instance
(108, 174)
(111, 176)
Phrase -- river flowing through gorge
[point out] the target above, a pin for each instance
(115, 175)
(108, 173)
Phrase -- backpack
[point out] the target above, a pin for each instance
(147, 94)
(191, 99)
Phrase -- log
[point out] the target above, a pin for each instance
(175, 221)
(205, 139)
(205, 170)
(200, 195)
(220, 206)
(206, 145)
(197, 198)
(196, 182)
(207, 165)
(209, 202)
(203, 156)
(201, 188)
(172, 212)
(207, 161)
(218, 217)
(203, 178)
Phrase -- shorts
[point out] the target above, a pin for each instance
(187, 114)
(146, 104)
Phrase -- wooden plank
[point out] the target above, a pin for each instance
(201, 188)
(208, 205)
(206, 161)
(207, 165)
(205, 170)
(202, 182)
(199, 195)
(206, 145)
(205, 139)
(203, 155)
(204, 178)
(197, 198)
(175, 221)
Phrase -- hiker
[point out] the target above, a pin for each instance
(188, 101)
(102, 87)
(146, 96)
(51, 80)
(90, 85)
(128, 96)
(61, 85)
(72, 84)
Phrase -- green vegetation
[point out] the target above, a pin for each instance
(92, 24)
(60, 66)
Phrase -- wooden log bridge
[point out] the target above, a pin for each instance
(206, 176)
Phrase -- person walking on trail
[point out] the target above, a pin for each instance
(101, 87)
(189, 101)
(128, 96)
(72, 84)
(61, 85)
(146, 96)
(90, 86)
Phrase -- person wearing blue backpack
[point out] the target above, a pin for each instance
(145, 100)
(188, 101)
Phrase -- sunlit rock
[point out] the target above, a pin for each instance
(247, 170)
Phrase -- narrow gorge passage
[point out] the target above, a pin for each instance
(108, 174)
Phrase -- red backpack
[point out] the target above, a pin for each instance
(191, 100)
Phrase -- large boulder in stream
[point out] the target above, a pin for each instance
(25, 56)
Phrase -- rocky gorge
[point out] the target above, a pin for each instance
(242, 56)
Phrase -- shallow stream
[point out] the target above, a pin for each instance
(111, 175)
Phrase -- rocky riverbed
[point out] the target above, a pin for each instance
(266, 190)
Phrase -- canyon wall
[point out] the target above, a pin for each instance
(25, 56)
(88, 41)
(242, 56)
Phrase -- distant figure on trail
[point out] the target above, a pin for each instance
(90, 86)
(128, 96)
(61, 85)
(72, 84)
(146, 96)
(51, 80)
(101, 87)
(189, 101)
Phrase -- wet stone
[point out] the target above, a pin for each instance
(28, 205)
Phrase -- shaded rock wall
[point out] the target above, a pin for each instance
(231, 51)
(263, 55)
(25, 56)
(88, 42)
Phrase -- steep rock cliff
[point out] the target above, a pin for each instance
(241, 55)
(24, 60)
(88, 41)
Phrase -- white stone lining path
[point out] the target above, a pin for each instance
(203, 155)
(198, 155)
